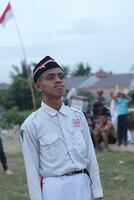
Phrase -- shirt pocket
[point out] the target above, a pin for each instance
(77, 140)
(50, 146)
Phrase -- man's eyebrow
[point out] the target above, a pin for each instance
(50, 74)
(54, 73)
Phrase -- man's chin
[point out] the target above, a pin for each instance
(58, 95)
(60, 92)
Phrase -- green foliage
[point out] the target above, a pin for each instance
(18, 95)
(21, 94)
(24, 72)
(131, 94)
(82, 70)
(6, 99)
(14, 116)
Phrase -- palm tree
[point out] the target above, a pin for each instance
(82, 70)
(24, 72)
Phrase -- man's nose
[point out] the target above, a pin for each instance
(58, 79)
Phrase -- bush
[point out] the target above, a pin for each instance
(14, 116)
(131, 94)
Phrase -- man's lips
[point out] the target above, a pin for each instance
(59, 86)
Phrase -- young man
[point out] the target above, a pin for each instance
(58, 152)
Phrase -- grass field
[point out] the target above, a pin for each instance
(117, 173)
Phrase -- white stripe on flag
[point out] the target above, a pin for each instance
(6, 15)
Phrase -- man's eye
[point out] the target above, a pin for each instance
(53, 76)
(50, 77)
(61, 76)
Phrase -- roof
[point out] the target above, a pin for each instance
(74, 82)
(112, 80)
(90, 81)
(115, 79)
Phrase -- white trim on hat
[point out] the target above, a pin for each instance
(43, 65)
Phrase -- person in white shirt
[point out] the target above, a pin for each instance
(113, 111)
(59, 156)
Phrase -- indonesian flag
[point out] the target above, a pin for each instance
(6, 15)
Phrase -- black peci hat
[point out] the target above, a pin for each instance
(44, 65)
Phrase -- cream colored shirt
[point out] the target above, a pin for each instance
(55, 143)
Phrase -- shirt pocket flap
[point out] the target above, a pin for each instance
(48, 139)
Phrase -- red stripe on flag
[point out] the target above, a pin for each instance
(2, 17)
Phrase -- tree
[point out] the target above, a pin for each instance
(17, 95)
(82, 70)
(24, 72)
(6, 99)
(21, 92)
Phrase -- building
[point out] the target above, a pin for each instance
(107, 81)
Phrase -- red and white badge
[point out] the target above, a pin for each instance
(76, 122)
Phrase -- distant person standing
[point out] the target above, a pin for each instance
(113, 112)
(3, 158)
(121, 101)
(100, 106)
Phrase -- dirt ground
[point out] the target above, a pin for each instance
(11, 140)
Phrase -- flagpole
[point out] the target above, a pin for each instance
(19, 35)
(25, 60)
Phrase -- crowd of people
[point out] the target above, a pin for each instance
(108, 121)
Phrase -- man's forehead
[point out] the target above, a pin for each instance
(54, 71)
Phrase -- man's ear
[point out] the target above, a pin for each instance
(38, 87)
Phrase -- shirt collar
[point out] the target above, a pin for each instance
(51, 111)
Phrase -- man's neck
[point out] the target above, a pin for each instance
(53, 103)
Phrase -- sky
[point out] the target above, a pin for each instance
(97, 32)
